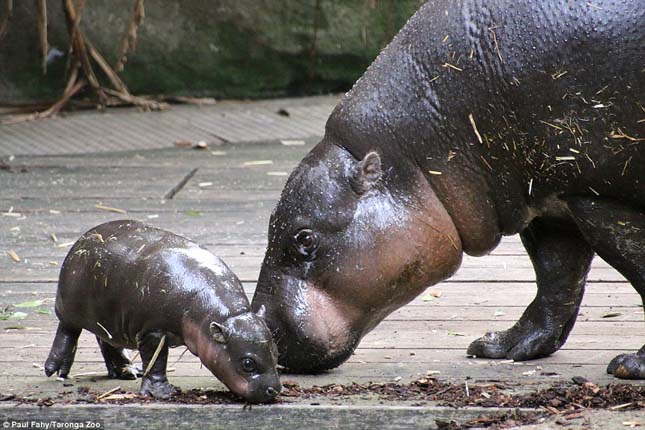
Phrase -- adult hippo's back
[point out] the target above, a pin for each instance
(481, 119)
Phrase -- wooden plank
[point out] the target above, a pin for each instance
(128, 129)
(441, 338)
(248, 270)
(226, 417)
(35, 350)
(454, 295)
(225, 154)
(454, 367)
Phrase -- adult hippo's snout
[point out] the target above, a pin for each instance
(311, 333)
(348, 244)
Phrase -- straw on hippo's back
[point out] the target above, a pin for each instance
(135, 286)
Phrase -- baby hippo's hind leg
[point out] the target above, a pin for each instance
(118, 364)
(61, 355)
(617, 233)
(154, 356)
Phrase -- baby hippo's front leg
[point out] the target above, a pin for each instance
(154, 356)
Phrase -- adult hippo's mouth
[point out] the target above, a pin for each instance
(312, 331)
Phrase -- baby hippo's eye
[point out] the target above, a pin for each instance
(306, 242)
(249, 365)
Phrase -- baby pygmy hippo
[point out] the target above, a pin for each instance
(135, 286)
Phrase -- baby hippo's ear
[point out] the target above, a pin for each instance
(367, 173)
(218, 332)
(261, 312)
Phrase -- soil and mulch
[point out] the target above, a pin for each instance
(567, 401)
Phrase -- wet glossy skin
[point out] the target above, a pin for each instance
(487, 119)
(140, 283)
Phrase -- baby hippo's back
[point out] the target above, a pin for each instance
(124, 278)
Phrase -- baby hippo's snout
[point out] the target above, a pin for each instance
(240, 351)
(262, 391)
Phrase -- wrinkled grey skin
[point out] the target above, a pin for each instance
(481, 119)
(131, 284)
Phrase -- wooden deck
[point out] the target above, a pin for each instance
(48, 206)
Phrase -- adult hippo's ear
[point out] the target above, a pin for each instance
(218, 332)
(261, 312)
(367, 173)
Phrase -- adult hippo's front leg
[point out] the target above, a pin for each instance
(561, 258)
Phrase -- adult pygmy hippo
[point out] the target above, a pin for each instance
(481, 119)
(135, 286)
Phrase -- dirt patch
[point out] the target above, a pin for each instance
(566, 402)
(4, 166)
(580, 394)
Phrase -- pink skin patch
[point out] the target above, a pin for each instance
(331, 321)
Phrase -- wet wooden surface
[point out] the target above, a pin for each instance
(129, 128)
(47, 202)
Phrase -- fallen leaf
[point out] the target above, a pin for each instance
(257, 163)
(17, 316)
(499, 314)
(205, 184)
(32, 304)
(111, 209)
(120, 396)
(192, 213)
(13, 255)
(44, 312)
(612, 314)
(15, 327)
(455, 333)
(427, 298)
(632, 423)
(277, 174)
(293, 142)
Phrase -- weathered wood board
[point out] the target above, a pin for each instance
(225, 206)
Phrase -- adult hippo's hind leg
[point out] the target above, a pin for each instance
(617, 234)
(118, 364)
(561, 258)
(61, 355)
(154, 356)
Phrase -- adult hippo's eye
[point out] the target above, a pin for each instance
(306, 242)
(249, 365)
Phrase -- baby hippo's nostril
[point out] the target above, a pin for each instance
(271, 392)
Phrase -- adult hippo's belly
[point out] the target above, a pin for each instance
(480, 119)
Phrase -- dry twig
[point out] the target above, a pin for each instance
(42, 32)
(129, 43)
